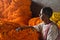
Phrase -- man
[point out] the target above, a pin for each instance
(48, 28)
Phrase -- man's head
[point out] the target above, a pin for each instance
(45, 13)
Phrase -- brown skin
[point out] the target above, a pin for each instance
(45, 18)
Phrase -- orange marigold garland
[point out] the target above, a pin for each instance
(17, 11)
(8, 32)
(34, 21)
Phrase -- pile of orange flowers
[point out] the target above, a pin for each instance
(8, 32)
(25, 34)
(16, 14)
(35, 21)
(17, 11)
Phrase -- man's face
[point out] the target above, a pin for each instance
(42, 15)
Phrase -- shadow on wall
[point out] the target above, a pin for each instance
(35, 8)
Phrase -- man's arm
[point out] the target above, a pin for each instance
(53, 33)
(38, 27)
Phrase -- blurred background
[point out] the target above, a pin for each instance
(38, 4)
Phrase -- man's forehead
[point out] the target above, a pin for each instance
(41, 11)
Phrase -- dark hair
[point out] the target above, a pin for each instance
(47, 11)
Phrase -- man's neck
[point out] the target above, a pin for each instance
(48, 21)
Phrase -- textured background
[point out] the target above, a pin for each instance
(55, 4)
(38, 4)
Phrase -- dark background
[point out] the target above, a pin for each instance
(38, 4)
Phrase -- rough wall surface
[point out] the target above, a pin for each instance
(55, 4)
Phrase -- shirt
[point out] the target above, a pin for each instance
(52, 32)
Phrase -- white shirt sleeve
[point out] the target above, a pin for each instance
(53, 33)
(38, 27)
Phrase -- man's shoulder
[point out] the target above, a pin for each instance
(40, 24)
